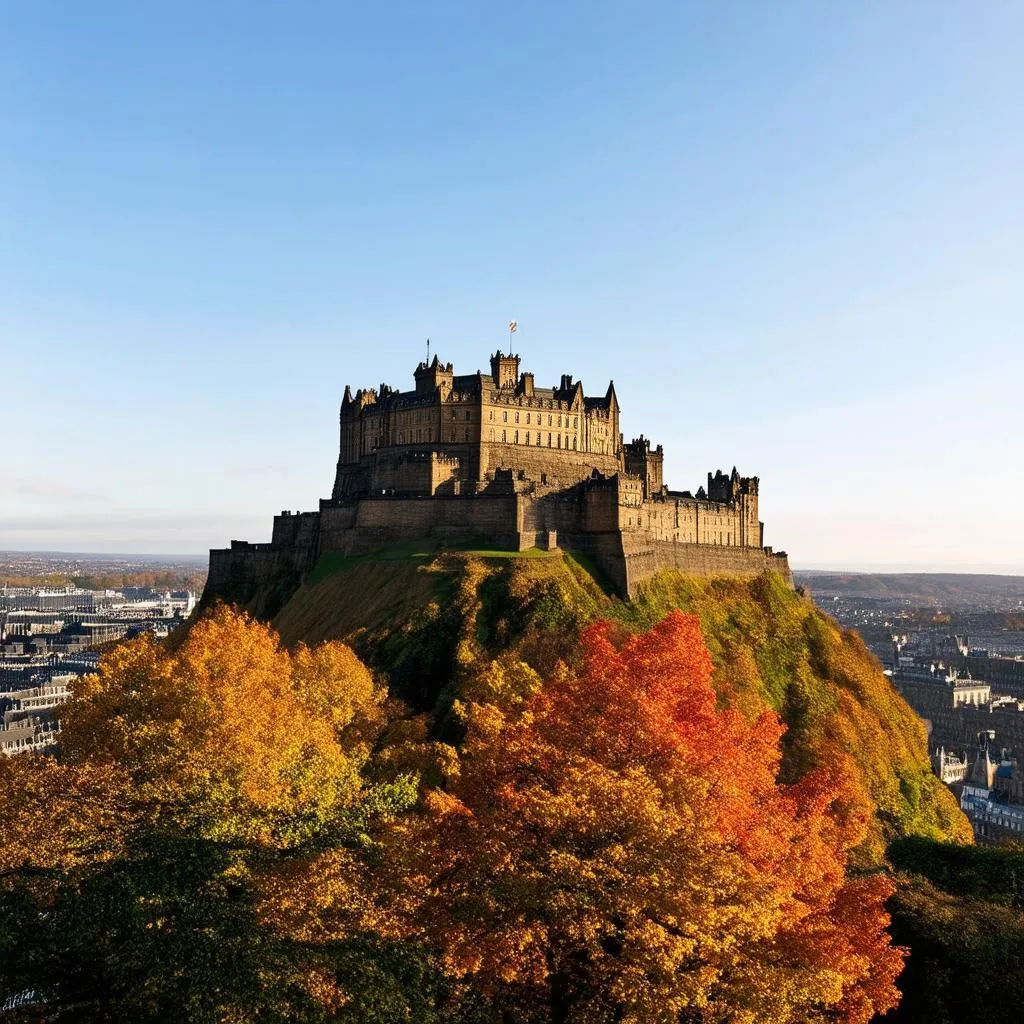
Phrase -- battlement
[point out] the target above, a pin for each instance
(495, 456)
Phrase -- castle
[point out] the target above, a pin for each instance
(493, 459)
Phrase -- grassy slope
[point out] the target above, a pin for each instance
(421, 618)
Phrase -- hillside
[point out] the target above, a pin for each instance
(423, 619)
(581, 809)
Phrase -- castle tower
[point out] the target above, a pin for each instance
(641, 460)
(435, 376)
(505, 370)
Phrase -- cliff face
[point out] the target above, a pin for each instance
(423, 620)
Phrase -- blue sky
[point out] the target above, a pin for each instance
(793, 233)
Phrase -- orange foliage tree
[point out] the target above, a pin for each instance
(615, 847)
(135, 872)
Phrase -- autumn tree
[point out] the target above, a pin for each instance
(615, 847)
(141, 876)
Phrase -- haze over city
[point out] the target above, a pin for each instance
(792, 234)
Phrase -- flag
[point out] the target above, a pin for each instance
(512, 325)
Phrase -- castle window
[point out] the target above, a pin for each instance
(491, 434)
(401, 438)
(454, 413)
(517, 437)
(492, 416)
(538, 437)
(559, 440)
(503, 437)
(549, 437)
(574, 444)
(549, 419)
(517, 417)
(467, 434)
(527, 417)
(575, 421)
(504, 417)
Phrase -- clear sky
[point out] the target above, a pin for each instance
(792, 232)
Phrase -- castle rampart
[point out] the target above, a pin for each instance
(492, 457)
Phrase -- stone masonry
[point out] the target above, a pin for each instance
(493, 458)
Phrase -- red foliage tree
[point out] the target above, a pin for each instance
(617, 847)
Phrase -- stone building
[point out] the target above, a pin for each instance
(497, 459)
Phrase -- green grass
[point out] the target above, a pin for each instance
(419, 550)
(495, 553)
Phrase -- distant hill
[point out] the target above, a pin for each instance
(948, 590)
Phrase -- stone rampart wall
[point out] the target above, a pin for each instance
(299, 529)
(561, 468)
(644, 558)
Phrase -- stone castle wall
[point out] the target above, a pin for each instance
(558, 467)
(498, 460)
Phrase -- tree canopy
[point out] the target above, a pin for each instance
(235, 831)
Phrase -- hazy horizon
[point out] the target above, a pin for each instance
(793, 234)
(868, 569)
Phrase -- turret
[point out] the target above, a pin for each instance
(435, 376)
(641, 460)
(504, 370)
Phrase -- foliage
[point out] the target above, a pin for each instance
(770, 647)
(136, 874)
(586, 810)
(961, 911)
(615, 847)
